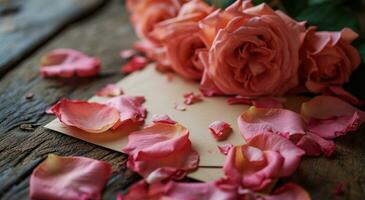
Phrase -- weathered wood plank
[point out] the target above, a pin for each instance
(25, 25)
(104, 35)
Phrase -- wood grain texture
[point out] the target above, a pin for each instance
(24, 25)
(104, 34)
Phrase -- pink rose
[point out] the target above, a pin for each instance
(180, 39)
(327, 58)
(253, 51)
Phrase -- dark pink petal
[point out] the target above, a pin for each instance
(160, 146)
(220, 130)
(239, 100)
(263, 102)
(339, 190)
(135, 64)
(90, 117)
(191, 98)
(264, 158)
(69, 178)
(289, 191)
(280, 121)
(129, 107)
(314, 145)
(110, 90)
(127, 53)
(224, 149)
(157, 118)
(67, 63)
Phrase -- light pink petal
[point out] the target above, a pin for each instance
(158, 118)
(335, 126)
(220, 130)
(90, 117)
(67, 63)
(69, 178)
(179, 107)
(314, 145)
(224, 149)
(160, 145)
(135, 64)
(129, 107)
(289, 191)
(325, 107)
(280, 121)
(127, 53)
(110, 90)
(191, 98)
(265, 157)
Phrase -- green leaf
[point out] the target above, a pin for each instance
(361, 49)
(293, 8)
(330, 17)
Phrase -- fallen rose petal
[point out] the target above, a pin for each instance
(344, 95)
(110, 90)
(314, 145)
(66, 63)
(158, 146)
(179, 107)
(220, 130)
(264, 158)
(90, 117)
(135, 64)
(157, 118)
(263, 102)
(339, 190)
(224, 149)
(239, 100)
(276, 120)
(69, 178)
(191, 98)
(289, 191)
(127, 53)
(129, 107)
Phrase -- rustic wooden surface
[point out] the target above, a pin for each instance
(103, 34)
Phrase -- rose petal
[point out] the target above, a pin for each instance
(265, 157)
(135, 64)
(289, 191)
(90, 117)
(281, 121)
(220, 130)
(191, 98)
(179, 107)
(129, 107)
(157, 118)
(110, 90)
(344, 95)
(159, 146)
(314, 145)
(264, 102)
(67, 63)
(127, 53)
(69, 178)
(224, 149)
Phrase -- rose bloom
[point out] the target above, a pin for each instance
(327, 58)
(253, 51)
(179, 36)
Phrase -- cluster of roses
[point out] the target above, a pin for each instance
(243, 50)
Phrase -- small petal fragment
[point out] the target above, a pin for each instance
(263, 102)
(69, 178)
(90, 117)
(135, 64)
(129, 107)
(127, 53)
(157, 118)
(191, 98)
(224, 149)
(264, 158)
(159, 146)
(220, 130)
(66, 63)
(110, 90)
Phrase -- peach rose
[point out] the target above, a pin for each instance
(253, 51)
(179, 36)
(327, 58)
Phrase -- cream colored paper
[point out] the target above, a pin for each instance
(161, 96)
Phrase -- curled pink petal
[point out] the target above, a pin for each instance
(191, 98)
(69, 178)
(281, 121)
(127, 53)
(110, 90)
(90, 117)
(129, 107)
(66, 63)
(220, 130)
(224, 149)
(314, 145)
(264, 158)
(157, 118)
(135, 64)
(159, 146)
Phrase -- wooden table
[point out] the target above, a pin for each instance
(24, 143)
